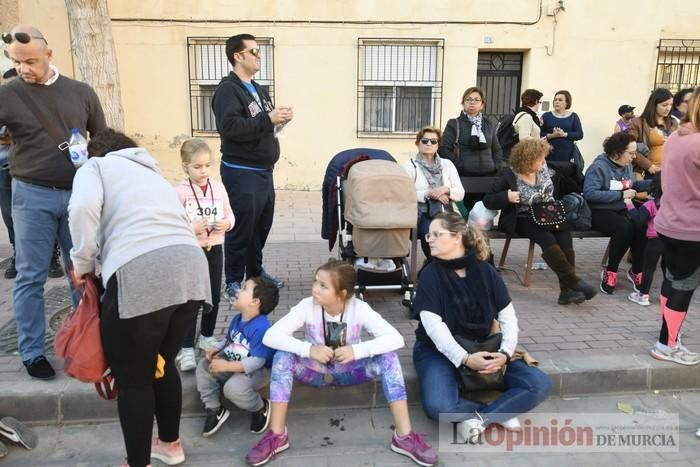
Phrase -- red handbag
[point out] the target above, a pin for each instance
(79, 342)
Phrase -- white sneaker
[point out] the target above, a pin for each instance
(472, 429)
(208, 343)
(512, 424)
(185, 360)
(639, 298)
(678, 354)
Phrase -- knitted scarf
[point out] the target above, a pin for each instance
(477, 131)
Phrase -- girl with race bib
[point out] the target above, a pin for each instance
(208, 208)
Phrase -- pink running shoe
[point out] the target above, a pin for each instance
(608, 281)
(635, 279)
(267, 447)
(167, 453)
(414, 446)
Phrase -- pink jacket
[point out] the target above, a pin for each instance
(213, 207)
(679, 215)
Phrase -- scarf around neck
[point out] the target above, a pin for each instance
(432, 171)
(477, 130)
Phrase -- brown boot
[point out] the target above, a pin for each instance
(581, 286)
(556, 260)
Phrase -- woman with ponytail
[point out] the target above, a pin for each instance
(460, 295)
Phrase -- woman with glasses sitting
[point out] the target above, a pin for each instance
(436, 180)
(609, 183)
(470, 141)
(459, 297)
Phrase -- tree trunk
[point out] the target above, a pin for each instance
(93, 45)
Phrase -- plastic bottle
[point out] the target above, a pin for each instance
(77, 147)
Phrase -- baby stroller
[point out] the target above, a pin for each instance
(372, 204)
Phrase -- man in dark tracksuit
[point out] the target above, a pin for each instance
(247, 123)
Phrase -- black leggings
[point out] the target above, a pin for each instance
(526, 227)
(681, 278)
(652, 253)
(624, 235)
(131, 347)
(215, 258)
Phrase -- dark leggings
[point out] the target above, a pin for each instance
(652, 253)
(526, 227)
(131, 347)
(624, 235)
(215, 258)
(681, 278)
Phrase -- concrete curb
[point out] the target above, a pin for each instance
(68, 401)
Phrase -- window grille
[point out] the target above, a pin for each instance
(399, 86)
(678, 64)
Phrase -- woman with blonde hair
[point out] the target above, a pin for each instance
(458, 297)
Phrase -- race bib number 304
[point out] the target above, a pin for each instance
(206, 209)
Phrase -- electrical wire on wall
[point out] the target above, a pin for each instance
(555, 12)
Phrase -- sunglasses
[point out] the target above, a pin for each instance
(255, 52)
(429, 140)
(21, 37)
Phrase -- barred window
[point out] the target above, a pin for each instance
(678, 64)
(399, 86)
(207, 65)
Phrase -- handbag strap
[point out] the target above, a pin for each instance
(455, 146)
(54, 132)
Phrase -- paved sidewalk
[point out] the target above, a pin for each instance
(599, 346)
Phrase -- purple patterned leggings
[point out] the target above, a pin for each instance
(288, 367)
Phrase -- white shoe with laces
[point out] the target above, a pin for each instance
(472, 429)
(639, 298)
(185, 360)
(512, 424)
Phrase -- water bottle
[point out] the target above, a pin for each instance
(77, 147)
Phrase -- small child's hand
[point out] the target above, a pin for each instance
(199, 226)
(321, 353)
(222, 225)
(210, 354)
(218, 365)
(344, 354)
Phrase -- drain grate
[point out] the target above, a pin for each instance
(58, 304)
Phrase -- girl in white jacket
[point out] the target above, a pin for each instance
(332, 354)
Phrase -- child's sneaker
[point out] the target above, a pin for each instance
(414, 446)
(215, 419)
(208, 343)
(608, 281)
(167, 453)
(267, 447)
(639, 298)
(512, 424)
(260, 420)
(678, 354)
(635, 279)
(16, 431)
(185, 360)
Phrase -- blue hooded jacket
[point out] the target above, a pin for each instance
(597, 190)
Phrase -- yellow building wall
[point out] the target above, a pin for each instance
(603, 52)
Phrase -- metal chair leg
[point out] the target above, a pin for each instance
(504, 253)
(528, 271)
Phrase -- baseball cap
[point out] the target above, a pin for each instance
(624, 109)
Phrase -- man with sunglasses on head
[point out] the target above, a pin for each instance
(247, 122)
(42, 174)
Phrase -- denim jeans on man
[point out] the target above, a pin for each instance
(40, 215)
(526, 388)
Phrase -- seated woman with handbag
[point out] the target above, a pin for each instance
(525, 194)
(438, 185)
(458, 298)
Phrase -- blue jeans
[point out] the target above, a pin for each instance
(526, 388)
(40, 215)
(6, 201)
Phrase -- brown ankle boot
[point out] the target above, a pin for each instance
(556, 260)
